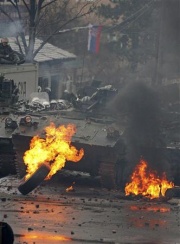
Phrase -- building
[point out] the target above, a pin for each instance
(54, 69)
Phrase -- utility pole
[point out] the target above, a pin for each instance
(157, 78)
(168, 53)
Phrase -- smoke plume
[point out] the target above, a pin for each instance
(12, 29)
(139, 104)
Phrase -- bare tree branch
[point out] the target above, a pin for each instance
(6, 14)
(25, 4)
(36, 11)
(49, 3)
(13, 3)
(62, 26)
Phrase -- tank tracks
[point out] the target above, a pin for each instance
(112, 175)
(107, 175)
(19, 164)
(7, 164)
(19, 146)
(11, 163)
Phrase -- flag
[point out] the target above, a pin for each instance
(94, 38)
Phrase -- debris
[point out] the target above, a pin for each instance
(30, 229)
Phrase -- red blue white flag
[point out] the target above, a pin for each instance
(94, 38)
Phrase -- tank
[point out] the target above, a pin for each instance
(8, 97)
(7, 154)
(97, 133)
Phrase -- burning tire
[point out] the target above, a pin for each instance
(6, 233)
(172, 192)
(34, 180)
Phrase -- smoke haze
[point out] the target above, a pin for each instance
(12, 29)
(140, 105)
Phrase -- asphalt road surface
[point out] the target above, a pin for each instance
(86, 214)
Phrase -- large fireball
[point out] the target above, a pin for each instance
(55, 149)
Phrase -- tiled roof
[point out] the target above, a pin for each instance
(47, 53)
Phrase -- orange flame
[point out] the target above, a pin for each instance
(147, 183)
(56, 149)
(70, 188)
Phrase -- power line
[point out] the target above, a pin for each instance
(123, 25)
(131, 19)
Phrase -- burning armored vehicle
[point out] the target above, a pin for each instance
(96, 136)
(83, 135)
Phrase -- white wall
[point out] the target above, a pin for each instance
(25, 77)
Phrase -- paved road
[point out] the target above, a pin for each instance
(89, 214)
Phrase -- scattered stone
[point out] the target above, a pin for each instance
(146, 224)
(36, 212)
(9, 188)
(30, 229)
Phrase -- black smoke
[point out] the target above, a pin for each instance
(138, 104)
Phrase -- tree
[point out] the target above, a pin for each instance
(129, 41)
(136, 35)
(64, 13)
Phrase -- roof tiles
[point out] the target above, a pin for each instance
(47, 53)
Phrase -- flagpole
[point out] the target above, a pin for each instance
(82, 73)
(94, 32)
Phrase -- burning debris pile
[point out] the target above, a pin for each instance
(145, 142)
(147, 183)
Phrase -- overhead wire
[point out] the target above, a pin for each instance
(145, 8)
(122, 26)
(131, 19)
